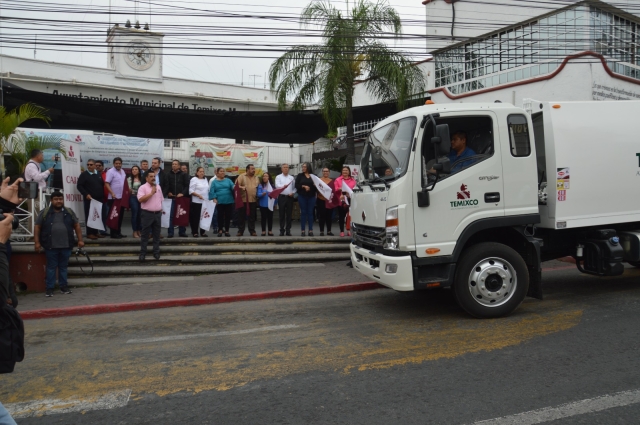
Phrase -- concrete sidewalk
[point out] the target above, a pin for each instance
(327, 275)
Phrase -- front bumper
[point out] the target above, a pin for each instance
(373, 265)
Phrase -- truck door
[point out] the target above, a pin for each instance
(472, 191)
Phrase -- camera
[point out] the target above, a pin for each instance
(81, 252)
(14, 224)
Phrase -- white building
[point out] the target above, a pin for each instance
(589, 50)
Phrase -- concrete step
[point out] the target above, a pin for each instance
(212, 259)
(160, 268)
(211, 240)
(97, 251)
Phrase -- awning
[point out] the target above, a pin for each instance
(151, 122)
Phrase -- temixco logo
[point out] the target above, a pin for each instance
(464, 199)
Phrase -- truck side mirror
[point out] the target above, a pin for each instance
(441, 141)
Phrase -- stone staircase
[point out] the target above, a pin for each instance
(115, 262)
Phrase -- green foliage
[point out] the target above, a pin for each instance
(325, 74)
(10, 120)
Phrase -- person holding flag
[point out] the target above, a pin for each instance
(344, 185)
(266, 203)
(221, 192)
(115, 183)
(246, 199)
(307, 190)
(324, 209)
(285, 190)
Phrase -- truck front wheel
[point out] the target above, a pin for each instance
(491, 280)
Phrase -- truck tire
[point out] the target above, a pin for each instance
(491, 280)
(634, 263)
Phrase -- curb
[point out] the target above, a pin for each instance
(85, 310)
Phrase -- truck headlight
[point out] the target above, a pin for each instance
(391, 228)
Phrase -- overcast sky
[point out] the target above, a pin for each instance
(226, 41)
(46, 25)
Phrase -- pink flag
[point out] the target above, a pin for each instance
(181, 216)
(335, 199)
(114, 214)
(237, 193)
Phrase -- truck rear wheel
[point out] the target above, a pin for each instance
(634, 263)
(491, 280)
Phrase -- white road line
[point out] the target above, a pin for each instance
(52, 406)
(581, 407)
(209, 335)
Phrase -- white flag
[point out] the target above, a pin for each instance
(346, 188)
(206, 215)
(94, 220)
(270, 200)
(166, 213)
(322, 187)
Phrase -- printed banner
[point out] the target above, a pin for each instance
(70, 173)
(233, 158)
(181, 216)
(166, 213)
(346, 188)
(132, 150)
(206, 215)
(94, 220)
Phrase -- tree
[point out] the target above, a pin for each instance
(11, 120)
(326, 73)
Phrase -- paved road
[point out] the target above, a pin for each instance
(361, 358)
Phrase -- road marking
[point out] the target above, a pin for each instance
(211, 334)
(52, 406)
(581, 407)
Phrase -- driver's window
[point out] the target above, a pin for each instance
(471, 143)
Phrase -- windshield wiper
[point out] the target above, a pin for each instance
(378, 179)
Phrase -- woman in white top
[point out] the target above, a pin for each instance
(199, 191)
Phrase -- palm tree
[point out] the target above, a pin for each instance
(11, 120)
(326, 73)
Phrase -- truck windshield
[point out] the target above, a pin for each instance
(386, 152)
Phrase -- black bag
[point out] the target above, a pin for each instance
(11, 338)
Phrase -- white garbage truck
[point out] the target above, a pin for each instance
(475, 197)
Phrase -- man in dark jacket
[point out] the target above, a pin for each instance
(175, 185)
(54, 232)
(91, 186)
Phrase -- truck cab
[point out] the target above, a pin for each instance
(475, 196)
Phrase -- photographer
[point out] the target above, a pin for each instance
(54, 232)
(11, 328)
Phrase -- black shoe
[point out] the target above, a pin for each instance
(321, 233)
(349, 264)
(288, 233)
(142, 258)
(310, 232)
(156, 256)
(169, 236)
(122, 236)
(281, 232)
(329, 234)
(227, 234)
(116, 237)
(49, 293)
(183, 235)
(302, 233)
(65, 290)
(204, 235)
(220, 234)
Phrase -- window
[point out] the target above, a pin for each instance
(176, 143)
(519, 135)
(171, 143)
(167, 143)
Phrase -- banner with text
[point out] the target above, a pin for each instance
(233, 158)
(70, 173)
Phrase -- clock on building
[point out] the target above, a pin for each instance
(139, 56)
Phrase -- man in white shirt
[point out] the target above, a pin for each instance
(32, 171)
(285, 200)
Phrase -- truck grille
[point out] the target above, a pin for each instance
(367, 236)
